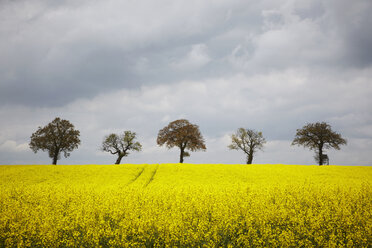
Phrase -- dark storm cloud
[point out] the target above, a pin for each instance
(351, 22)
(53, 53)
(58, 84)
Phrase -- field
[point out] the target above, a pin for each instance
(185, 205)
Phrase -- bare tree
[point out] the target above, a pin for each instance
(318, 136)
(182, 134)
(57, 137)
(120, 145)
(247, 140)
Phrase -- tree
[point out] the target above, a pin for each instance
(56, 137)
(121, 144)
(247, 140)
(182, 134)
(318, 136)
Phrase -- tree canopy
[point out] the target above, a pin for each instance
(247, 140)
(318, 136)
(120, 145)
(181, 134)
(57, 137)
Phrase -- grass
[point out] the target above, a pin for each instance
(185, 205)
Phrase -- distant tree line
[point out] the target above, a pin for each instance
(61, 137)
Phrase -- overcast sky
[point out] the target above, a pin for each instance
(109, 66)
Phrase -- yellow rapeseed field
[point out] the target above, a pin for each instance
(185, 205)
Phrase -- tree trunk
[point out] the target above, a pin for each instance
(250, 155)
(55, 155)
(320, 155)
(181, 155)
(55, 158)
(250, 158)
(119, 159)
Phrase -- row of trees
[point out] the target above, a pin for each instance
(60, 137)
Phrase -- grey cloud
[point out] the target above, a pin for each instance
(351, 22)
(54, 53)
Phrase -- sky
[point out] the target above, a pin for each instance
(110, 66)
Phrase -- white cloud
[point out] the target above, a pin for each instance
(12, 146)
(196, 57)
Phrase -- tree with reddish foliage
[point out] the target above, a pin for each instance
(182, 134)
